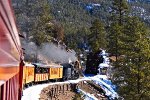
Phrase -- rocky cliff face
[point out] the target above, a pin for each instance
(68, 91)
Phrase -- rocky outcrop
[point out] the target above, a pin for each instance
(67, 91)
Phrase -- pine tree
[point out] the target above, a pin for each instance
(115, 31)
(97, 38)
(130, 42)
(119, 14)
(34, 19)
(132, 74)
(42, 27)
(119, 10)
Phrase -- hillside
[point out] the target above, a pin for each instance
(79, 13)
(76, 16)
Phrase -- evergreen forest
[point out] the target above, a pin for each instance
(121, 27)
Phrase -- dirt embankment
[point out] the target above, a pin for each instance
(94, 89)
(58, 92)
(67, 91)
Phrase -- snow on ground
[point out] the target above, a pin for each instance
(105, 83)
(103, 65)
(107, 87)
(87, 95)
(32, 93)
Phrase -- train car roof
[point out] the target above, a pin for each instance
(55, 65)
(47, 65)
(67, 65)
(29, 65)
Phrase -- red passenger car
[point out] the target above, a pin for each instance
(10, 55)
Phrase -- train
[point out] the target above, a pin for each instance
(38, 73)
(11, 54)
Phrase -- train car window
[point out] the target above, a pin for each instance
(41, 70)
(37, 70)
(44, 70)
(69, 72)
(54, 71)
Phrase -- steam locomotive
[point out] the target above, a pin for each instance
(38, 73)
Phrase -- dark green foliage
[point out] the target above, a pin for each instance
(129, 41)
(118, 18)
(132, 71)
(97, 38)
(119, 10)
(42, 26)
(115, 31)
(72, 16)
(33, 17)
